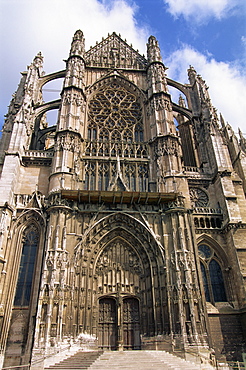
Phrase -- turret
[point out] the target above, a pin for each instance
(70, 124)
(73, 99)
(18, 126)
(166, 145)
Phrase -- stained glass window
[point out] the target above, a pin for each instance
(115, 109)
(27, 264)
(212, 276)
(217, 282)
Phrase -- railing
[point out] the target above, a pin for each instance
(114, 149)
(207, 218)
(195, 171)
(231, 365)
(22, 367)
(192, 169)
(22, 200)
(208, 222)
(207, 210)
(38, 154)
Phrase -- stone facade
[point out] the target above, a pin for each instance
(126, 220)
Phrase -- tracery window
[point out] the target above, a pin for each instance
(212, 275)
(90, 176)
(117, 110)
(114, 146)
(130, 175)
(142, 177)
(27, 264)
(103, 176)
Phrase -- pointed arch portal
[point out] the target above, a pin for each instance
(121, 283)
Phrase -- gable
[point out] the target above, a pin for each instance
(113, 52)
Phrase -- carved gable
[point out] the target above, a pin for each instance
(113, 52)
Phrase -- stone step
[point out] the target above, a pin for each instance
(79, 361)
(125, 360)
(158, 360)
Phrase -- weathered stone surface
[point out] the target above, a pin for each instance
(120, 219)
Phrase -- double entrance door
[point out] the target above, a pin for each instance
(119, 323)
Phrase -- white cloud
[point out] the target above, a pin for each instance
(200, 10)
(227, 84)
(30, 26)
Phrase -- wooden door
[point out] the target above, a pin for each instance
(107, 338)
(131, 324)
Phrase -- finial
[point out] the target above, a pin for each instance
(191, 74)
(153, 50)
(182, 101)
(38, 60)
(78, 44)
(222, 121)
(240, 134)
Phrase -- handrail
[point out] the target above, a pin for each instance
(51, 354)
(235, 365)
(16, 367)
(202, 356)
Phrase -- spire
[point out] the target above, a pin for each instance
(153, 50)
(78, 44)
(240, 134)
(182, 101)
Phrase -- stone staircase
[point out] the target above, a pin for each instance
(79, 361)
(142, 360)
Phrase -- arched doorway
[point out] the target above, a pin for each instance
(119, 323)
(120, 274)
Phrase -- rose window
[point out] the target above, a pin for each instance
(198, 197)
(113, 107)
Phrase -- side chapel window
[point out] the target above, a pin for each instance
(27, 264)
(212, 275)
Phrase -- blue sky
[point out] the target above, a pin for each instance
(208, 34)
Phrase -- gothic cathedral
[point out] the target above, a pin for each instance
(125, 219)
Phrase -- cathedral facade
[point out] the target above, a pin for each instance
(125, 219)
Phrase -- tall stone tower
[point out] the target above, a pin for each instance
(124, 220)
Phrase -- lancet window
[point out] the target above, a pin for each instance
(27, 265)
(212, 275)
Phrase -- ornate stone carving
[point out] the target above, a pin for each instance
(68, 141)
(114, 52)
(167, 146)
(72, 98)
(78, 44)
(118, 257)
(198, 197)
